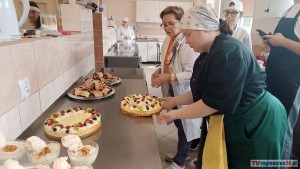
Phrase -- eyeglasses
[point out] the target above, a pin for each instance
(233, 13)
(168, 24)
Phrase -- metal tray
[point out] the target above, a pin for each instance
(91, 98)
(114, 83)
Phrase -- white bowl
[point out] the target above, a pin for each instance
(17, 155)
(77, 159)
(36, 166)
(85, 166)
(48, 158)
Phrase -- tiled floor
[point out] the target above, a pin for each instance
(166, 134)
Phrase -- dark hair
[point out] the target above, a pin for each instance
(38, 22)
(231, 4)
(176, 10)
(225, 27)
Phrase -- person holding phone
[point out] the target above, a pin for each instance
(283, 68)
(232, 13)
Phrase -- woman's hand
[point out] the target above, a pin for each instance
(167, 117)
(155, 74)
(160, 79)
(275, 40)
(169, 103)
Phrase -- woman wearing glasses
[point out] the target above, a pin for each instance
(233, 12)
(174, 78)
(227, 85)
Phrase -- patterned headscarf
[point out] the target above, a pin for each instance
(201, 17)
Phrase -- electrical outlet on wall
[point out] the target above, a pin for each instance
(24, 86)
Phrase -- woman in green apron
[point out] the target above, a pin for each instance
(228, 86)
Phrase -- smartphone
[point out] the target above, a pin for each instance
(260, 32)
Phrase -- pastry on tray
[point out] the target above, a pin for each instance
(78, 121)
(107, 78)
(99, 90)
(141, 105)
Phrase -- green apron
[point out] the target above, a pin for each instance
(255, 132)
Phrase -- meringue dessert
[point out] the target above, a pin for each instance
(37, 166)
(39, 152)
(78, 152)
(11, 164)
(14, 150)
(61, 163)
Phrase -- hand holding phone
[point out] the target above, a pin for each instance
(260, 32)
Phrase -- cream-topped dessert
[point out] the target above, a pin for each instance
(11, 164)
(78, 152)
(61, 163)
(37, 166)
(39, 152)
(141, 105)
(77, 121)
(2, 140)
(36, 144)
(81, 167)
(72, 142)
(11, 149)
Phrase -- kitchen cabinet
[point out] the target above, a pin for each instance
(148, 51)
(185, 5)
(152, 52)
(143, 50)
(147, 11)
(271, 8)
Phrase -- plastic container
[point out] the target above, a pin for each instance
(48, 22)
(17, 155)
(48, 158)
(36, 166)
(77, 159)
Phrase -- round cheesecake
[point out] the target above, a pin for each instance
(78, 121)
(141, 105)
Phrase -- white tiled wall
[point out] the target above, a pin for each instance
(69, 77)
(10, 124)
(59, 59)
(47, 96)
(30, 110)
(21, 116)
(59, 86)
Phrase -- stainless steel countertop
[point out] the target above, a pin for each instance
(147, 40)
(126, 73)
(125, 142)
(124, 51)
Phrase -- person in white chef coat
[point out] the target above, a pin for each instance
(125, 32)
(174, 79)
(233, 12)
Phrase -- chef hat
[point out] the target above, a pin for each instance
(125, 19)
(201, 17)
(234, 4)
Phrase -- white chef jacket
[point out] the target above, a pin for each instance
(243, 36)
(183, 68)
(122, 32)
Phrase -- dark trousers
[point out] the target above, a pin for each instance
(182, 146)
(201, 143)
